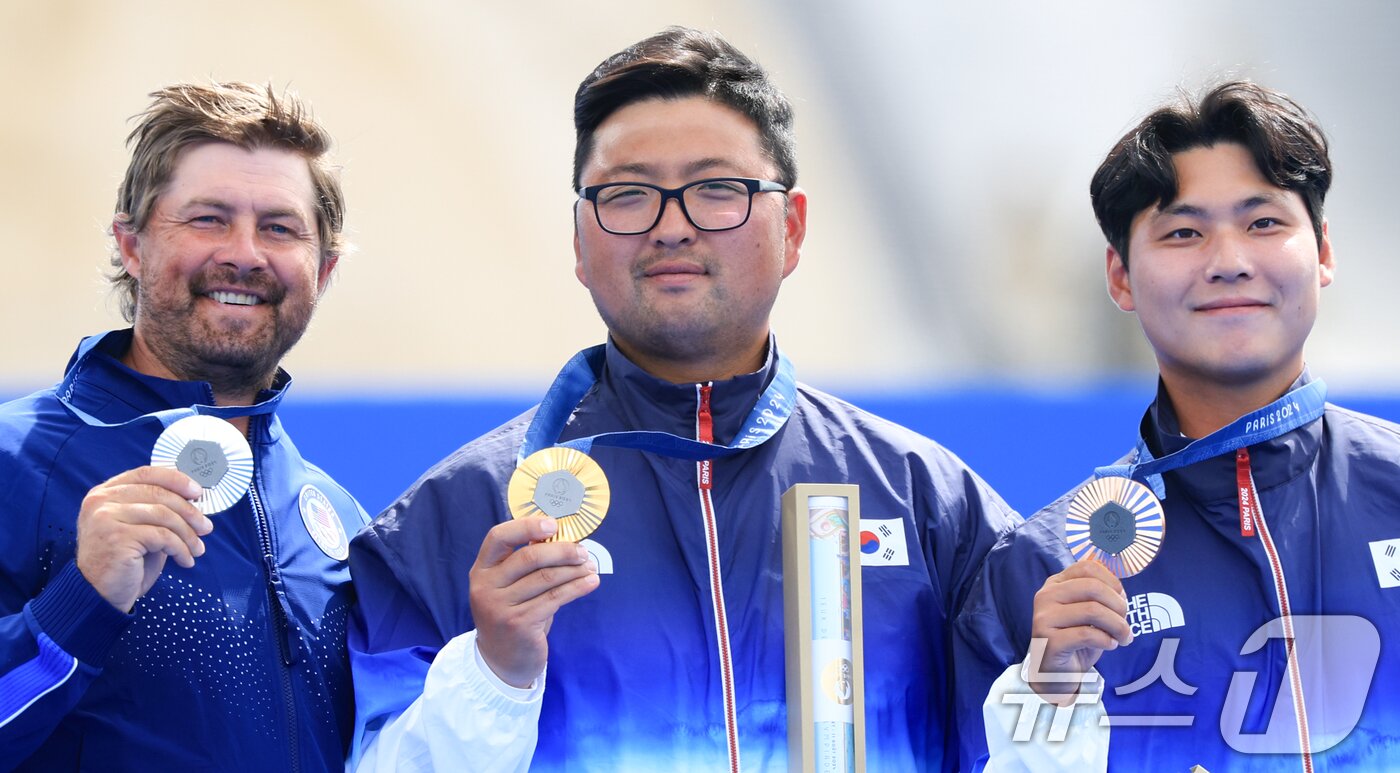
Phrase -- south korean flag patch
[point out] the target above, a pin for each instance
(1385, 554)
(323, 524)
(882, 543)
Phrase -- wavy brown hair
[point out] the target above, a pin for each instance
(251, 117)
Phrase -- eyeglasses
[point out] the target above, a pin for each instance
(713, 204)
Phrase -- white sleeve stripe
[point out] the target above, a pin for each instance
(27, 682)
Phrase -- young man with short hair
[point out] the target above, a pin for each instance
(1251, 639)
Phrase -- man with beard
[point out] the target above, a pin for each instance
(228, 226)
(663, 634)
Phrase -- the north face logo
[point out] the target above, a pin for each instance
(1152, 612)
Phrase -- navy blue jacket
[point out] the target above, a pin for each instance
(217, 667)
(1330, 495)
(634, 678)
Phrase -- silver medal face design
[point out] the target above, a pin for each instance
(213, 453)
(204, 461)
(1118, 522)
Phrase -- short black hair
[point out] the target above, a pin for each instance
(677, 63)
(1285, 141)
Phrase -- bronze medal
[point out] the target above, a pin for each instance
(1118, 522)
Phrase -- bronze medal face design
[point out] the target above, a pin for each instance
(1118, 522)
(213, 453)
(564, 484)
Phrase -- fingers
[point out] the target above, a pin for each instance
(530, 568)
(142, 511)
(1083, 624)
(504, 538)
(1088, 568)
(154, 539)
(532, 603)
(1082, 590)
(517, 585)
(126, 499)
(553, 588)
(156, 485)
(172, 525)
(1078, 614)
(1085, 593)
(167, 478)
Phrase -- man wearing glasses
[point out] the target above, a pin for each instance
(663, 631)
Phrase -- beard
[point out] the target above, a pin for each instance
(234, 355)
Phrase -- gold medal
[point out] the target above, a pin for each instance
(1118, 522)
(564, 484)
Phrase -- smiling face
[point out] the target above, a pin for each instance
(684, 304)
(1225, 279)
(228, 267)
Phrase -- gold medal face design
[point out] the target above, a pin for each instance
(1118, 522)
(564, 484)
(213, 453)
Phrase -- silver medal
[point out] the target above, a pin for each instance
(213, 453)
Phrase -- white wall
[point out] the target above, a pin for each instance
(946, 148)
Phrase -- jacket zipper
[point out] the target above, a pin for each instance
(288, 639)
(1250, 505)
(704, 473)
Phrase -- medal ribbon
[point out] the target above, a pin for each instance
(1299, 407)
(166, 417)
(581, 372)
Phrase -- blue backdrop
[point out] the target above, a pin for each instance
(1030, 446)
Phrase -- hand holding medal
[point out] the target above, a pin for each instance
(526, 570)
(514, 597)
(1114, 528)
(129, 525)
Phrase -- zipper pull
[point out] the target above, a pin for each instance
(1249, 497)
(705, 432)
(291, 634)
(704, 421)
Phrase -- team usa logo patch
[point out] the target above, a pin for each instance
(322, 523)
(882, 543)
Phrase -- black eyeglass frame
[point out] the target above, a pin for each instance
(753, 185)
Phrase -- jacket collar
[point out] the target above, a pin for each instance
(1273, 463)
(648, 403)
(97, 365)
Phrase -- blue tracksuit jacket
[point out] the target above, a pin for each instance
(634, 679)
(236, 664)
(1330, 495)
